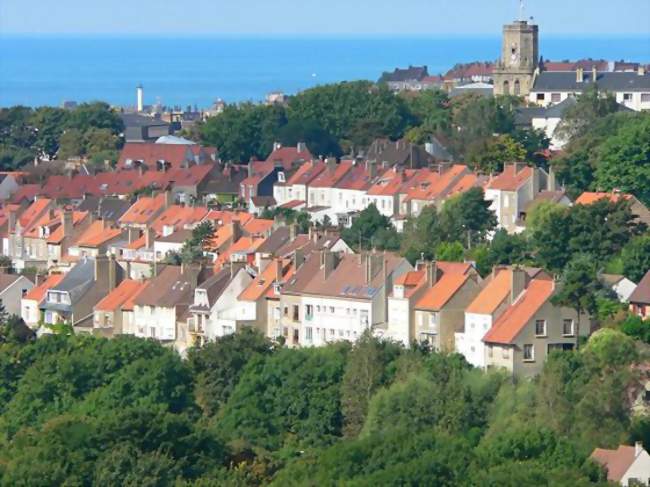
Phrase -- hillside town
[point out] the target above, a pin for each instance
(485, 247)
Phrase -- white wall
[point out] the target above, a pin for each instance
(155, 322)
(639, 470)
(399, 323)
(346, 319)
(226, 309)
(470, 343)
(30, 312)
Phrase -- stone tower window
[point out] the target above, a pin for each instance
(506, 87)
(517, 90)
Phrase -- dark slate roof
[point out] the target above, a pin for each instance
(136, 120)
(275, 241)
(525, 115)
(110, 209)
(615, 81)
(412, 73)
(400, 152)
(214, 286)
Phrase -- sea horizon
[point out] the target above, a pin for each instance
(48, 69)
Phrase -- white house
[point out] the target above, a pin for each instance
(627, 465)
(631, 89)
(620, 285)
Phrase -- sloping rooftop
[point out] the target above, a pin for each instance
(144, 210)
(170, 288)
(493, 294)
(606, 81)
(512, 178)
(38, 293)
(588, 198)
(641, 293)
(617, 462)
(120, 295)
(442, 291)
(514, 319)
(97, 234)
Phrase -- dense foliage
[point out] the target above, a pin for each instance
(240, 411)
(91, 129)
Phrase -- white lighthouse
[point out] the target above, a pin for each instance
(140, 97)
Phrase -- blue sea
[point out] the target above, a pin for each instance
(39, 71)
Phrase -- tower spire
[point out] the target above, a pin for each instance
(521, 10)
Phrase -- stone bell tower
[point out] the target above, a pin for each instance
(514, 72)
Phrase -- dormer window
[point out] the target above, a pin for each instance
(281, 177)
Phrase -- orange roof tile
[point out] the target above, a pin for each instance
(33, 211)
(57, 236)
(511, 179)
(492, 295)
(144, 210)
(261, 284)
(515, 318)
(138, 243)
(411, 278)
(120, 295)
(97, 234)
(129, 303)
(588, 198)
(244, 244)
(257, 226)
(38, 293)
(617, 462)
(442, 291)
(179, 216)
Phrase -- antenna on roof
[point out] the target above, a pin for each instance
(521, 10)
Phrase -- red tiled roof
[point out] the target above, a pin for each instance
(26, 192)
(33, 212)
(257, 226)
(492, 295)
(514, 319)
(144, 210)
(588, 198)
(329, 178)
(511, 179)
(306, 172)
(261, 284)
(391, 182)
(287, 156)
(617, 462)
(120, 295)
(442, 291)
(178, 216)
(97, 234)
(150, 153)
(38, 293)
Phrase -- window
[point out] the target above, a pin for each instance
(645, 97)
(296, 312)
(309, 311)
(540, 328)
(433, 319)
(331, 309)
(318, 308)
(308, 333)
(540, 97)
(505, 353)
(556, 97)
(286, 311)
(567, 327)
(529, 353)
(332, 332)
(627, 96)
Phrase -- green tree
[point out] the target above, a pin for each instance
(450, 252)
(636, 257)
(421, 235)
(244, 131)
(578, 287)
(218, 365)
(497, 151)
(624, 160)
(590, 108)
(371, 230)
(467, 218)
(318, 140)
(71, 144)
(200, 242)
(364, 373)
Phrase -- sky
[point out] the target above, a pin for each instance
(321, 17)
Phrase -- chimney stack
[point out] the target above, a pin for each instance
(519, 281)
(638, 448)
(552, 181)
(169, 199)
(67, 222)
(301, 147)
(594, 74)
(580, 75)
(293, 230)
(298, 258)
(235, 229)
(329, 262)
(330, 162)
(12, 221)
(431, 273)
(149, 237)
(112, 272)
